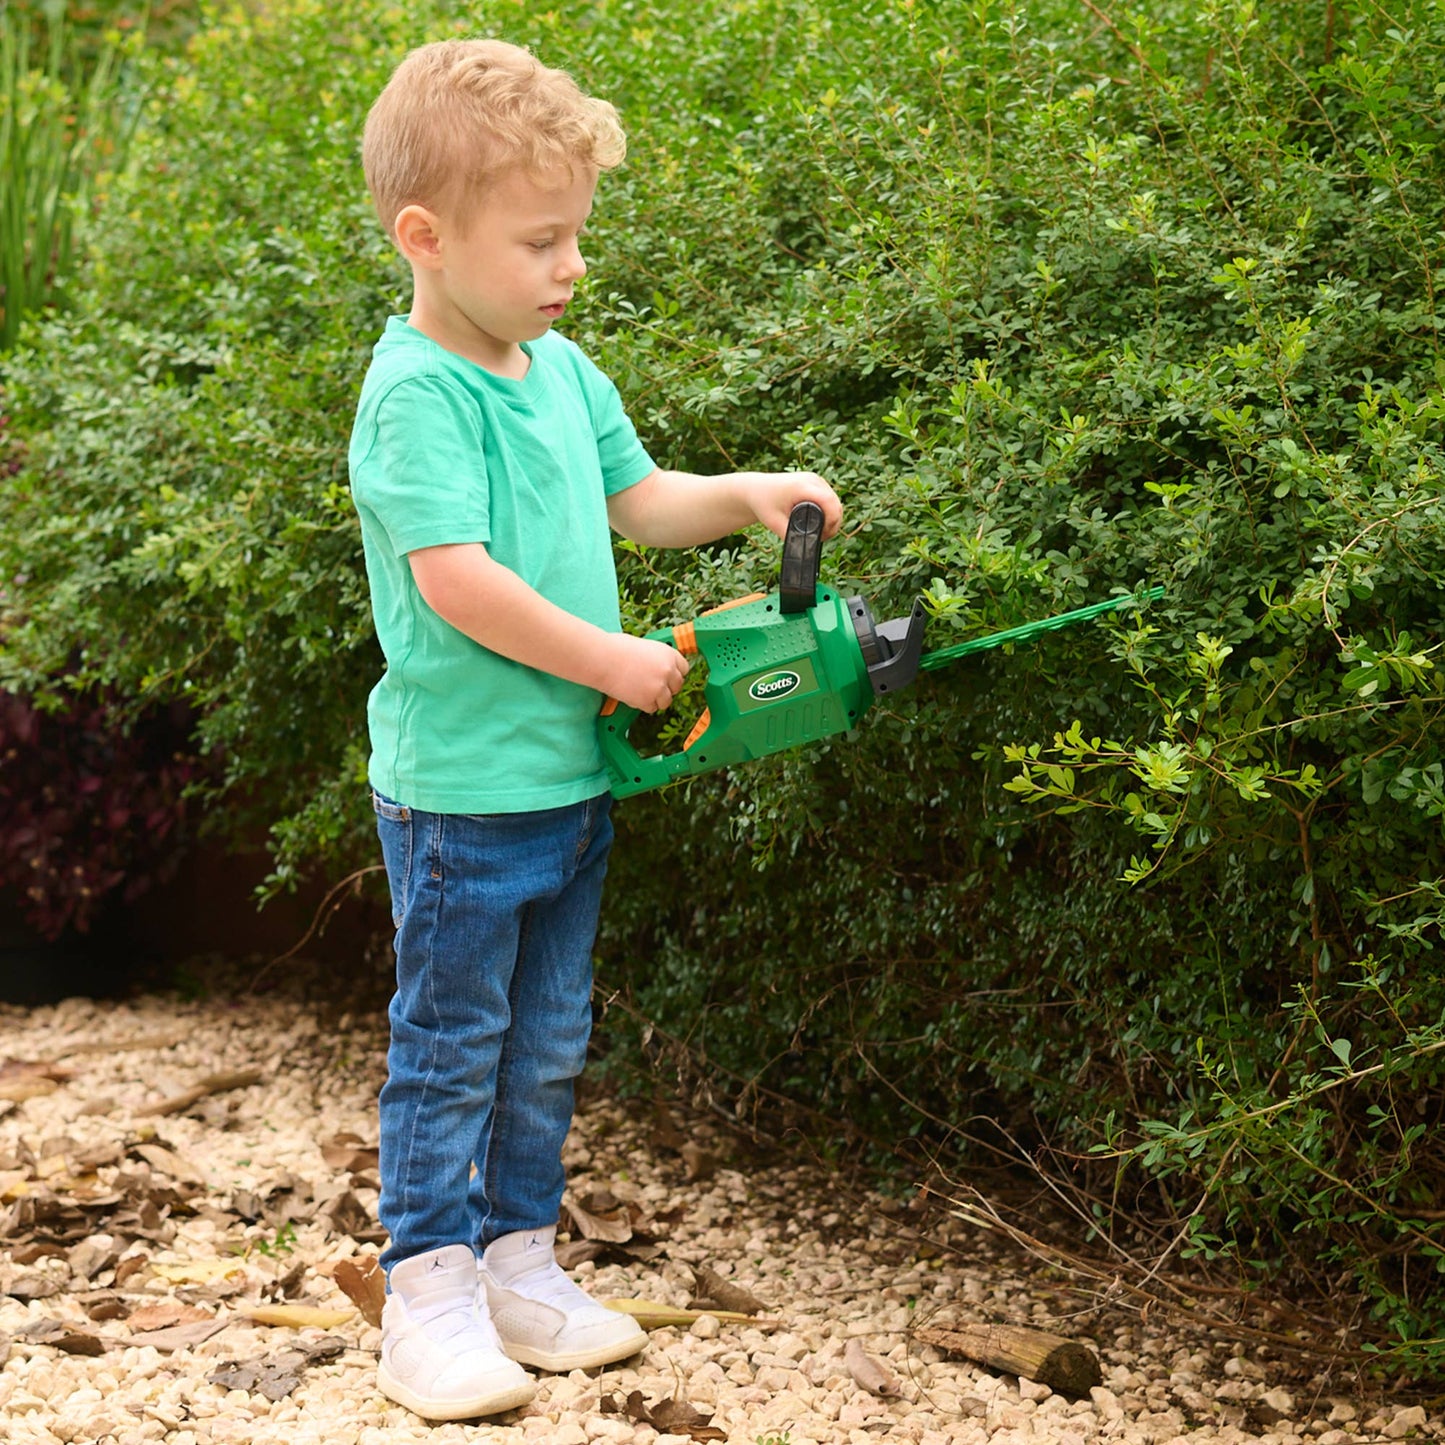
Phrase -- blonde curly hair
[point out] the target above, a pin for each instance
(457, 113)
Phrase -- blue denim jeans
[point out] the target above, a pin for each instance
(495, 920)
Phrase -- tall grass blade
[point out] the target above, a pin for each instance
(62, 121)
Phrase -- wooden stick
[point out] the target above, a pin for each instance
(1063, 1365)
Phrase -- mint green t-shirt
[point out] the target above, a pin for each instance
(443, 451)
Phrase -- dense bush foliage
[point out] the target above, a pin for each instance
(1065, 299)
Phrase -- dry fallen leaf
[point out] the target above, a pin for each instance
(277, 1375)
(130, 1264)
(87, 1161)
(285, 1286)
(164, 1314)
(870, 1372)
(34, 1253)
(351, 1153)
(22, 1079)
(654, 1315)
(54, 1169)
(579, 1251)
(35, 1286)
(165, 1161)
(13, 1184)
(363, 1281)
(91, 1193)
(667, 1417)
(711, 1286)
(88, 1258)
(77, 1343)
(349, 1216)
(613, 1227)
(273, 1378)
(174, 1338)
(298, 1317)
(198, 1271)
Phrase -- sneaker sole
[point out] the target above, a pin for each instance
(492, 1403)
(560, 1364)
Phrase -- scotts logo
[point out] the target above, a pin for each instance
(774, 684)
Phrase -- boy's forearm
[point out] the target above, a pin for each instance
(493, 606)
(681, 509)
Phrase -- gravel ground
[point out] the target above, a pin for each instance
(187, 1195)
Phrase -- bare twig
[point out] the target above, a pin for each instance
(328, 906)
(211, 1084)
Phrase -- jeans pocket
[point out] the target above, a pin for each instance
(392, 812)
(394, 826)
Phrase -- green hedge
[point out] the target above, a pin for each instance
(1065, 300)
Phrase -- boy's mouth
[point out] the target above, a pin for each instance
(554, 311)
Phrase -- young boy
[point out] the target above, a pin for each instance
(488, 459)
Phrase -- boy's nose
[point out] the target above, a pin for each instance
(570, 263)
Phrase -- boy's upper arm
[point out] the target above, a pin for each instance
(627, 510)
(449, 575)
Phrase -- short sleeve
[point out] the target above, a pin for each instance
(624, 460)
(425, 478)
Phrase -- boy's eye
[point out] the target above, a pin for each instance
(540, 245)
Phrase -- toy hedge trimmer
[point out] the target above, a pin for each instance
(786, 668)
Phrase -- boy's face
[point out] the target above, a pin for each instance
(504, 274)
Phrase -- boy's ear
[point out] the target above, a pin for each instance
(417, 237)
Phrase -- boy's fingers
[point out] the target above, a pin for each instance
(669, 683)
(673, 684)
(828, 500)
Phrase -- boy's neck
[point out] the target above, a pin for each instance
(505, 359)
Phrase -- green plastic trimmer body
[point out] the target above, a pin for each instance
(790, 667)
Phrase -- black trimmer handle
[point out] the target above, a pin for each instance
(802, 552)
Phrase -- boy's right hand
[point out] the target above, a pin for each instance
(643, 673)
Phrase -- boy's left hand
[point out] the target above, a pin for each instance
(773, 495)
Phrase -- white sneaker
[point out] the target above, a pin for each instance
(543, 1319)
(440, 1355)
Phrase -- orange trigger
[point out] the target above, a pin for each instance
(698, 729)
